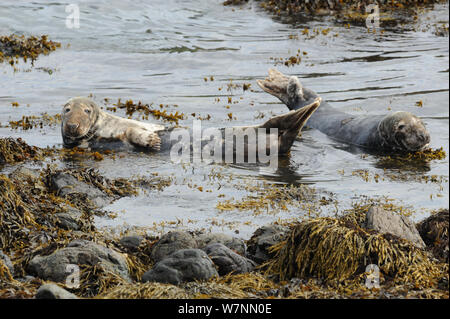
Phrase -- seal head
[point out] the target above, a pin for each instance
(78, 120)
(404, 131)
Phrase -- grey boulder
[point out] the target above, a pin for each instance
(384, 222)
(54, 267)
(53, 291)
(236, 244)
(182, 266)
(227, 260)
(65, 184)
(264, 237)
(131, 242)
(172, 242)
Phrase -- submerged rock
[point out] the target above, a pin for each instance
(53, 291)
(236, 244)
(65, 184)
(227, 260)
(262, 239)
(78, 252)
(182, 266)
(386, 222)
(172, 242)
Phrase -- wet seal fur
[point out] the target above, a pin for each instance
(395, 132)
(85, 125)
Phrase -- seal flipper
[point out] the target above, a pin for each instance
(290, 124)
(288, 89)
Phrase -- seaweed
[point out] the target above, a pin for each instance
(391, 12)
(13, 47)
(434, 232)
(146, 110)
(337, 250)
(16, 150)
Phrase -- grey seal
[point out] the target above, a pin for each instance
(85, 125)
(394, 132)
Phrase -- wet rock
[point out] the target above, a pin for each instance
(65, 184)
(434, 232)
(236, 244)
(172, 242)
(262, 239)
(388, 222)
(53, 291)
(131, 242)
(70, 219)
(7, 262)
(227, 260)
(25, 173)
(182, 266)
(78, 252)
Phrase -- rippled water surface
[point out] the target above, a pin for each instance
(161, 52)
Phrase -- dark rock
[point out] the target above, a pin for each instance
(434, 232)
(7, 262)
(182, 266)
(384, 222)
(70, 219)
(131, 242)
(53, 291)
(236, 244)
(78, 252)
(262, 239)
(172, 242)
(65, 184)
(227, 260)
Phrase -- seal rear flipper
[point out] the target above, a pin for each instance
(290, 124)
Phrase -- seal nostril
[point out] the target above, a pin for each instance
(72, 127)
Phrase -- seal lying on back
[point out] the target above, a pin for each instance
(85, 125)
(396, 132)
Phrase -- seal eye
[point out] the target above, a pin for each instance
(67, 110)
(401, 127)
(88, 111)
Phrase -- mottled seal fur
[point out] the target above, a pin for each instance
(84, 124)
(395, 132)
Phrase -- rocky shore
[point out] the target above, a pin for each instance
(50, 247)
(391, 13)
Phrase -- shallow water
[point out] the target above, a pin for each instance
(162, 51)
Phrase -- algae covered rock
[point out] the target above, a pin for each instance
(16, 150)
(6, 262)
(338, 249)
(385, 222)
(434, 232)
(227, 260)
(78, 252)
(182, 266)
(65, 184)
(262, 239)
(131, 242)
(172, 242)
(236, 244)
(53, 291)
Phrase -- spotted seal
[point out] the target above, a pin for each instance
(395, 132)
(85, 125)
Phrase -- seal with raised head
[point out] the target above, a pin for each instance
(395, 132)
(85, 125)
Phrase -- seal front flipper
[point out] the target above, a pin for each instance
(143, 138)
